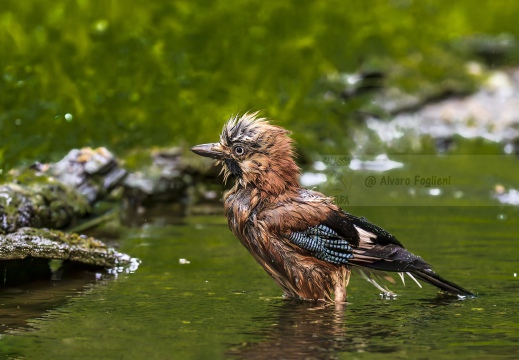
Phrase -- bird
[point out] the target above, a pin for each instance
(301, 238)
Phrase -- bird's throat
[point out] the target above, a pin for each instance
(233, 167)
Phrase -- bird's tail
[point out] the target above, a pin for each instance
(394, 258)
(432, 278)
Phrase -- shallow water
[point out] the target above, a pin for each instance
(222, 305)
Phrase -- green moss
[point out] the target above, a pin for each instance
(51, 244)
(39, 201)
(139, 74)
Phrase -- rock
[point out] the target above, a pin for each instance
(52, 244)
(161, 180)
(93, 172)
(32, 201)
(58, 194)
(30, 254)
(169, 175)
(491, 113)
(382, 94)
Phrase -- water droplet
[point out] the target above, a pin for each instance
(68, 117)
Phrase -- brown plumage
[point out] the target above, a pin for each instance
(305, 242)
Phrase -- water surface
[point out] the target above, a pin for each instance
(222, 305)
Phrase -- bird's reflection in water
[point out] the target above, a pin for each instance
(309, 331)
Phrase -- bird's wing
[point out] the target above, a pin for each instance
(344, 239)
(323, 243)
(372, 246)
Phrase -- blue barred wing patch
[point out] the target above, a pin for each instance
(324, 243)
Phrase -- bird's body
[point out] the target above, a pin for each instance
(305, 242)
(265, 232)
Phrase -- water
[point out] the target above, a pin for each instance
(222, 305)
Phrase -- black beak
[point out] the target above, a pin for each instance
(208, 150)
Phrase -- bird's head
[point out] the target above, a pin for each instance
(257, 153)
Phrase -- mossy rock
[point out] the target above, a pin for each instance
(44, 202)
(50, 244)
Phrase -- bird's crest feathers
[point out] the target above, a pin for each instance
(242, 128)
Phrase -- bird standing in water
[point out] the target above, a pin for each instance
(305, 242)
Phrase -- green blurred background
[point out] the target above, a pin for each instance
(127, 74)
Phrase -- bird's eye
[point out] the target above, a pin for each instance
(238, 150)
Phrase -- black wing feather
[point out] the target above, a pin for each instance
(339, 241)
(344, 224)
